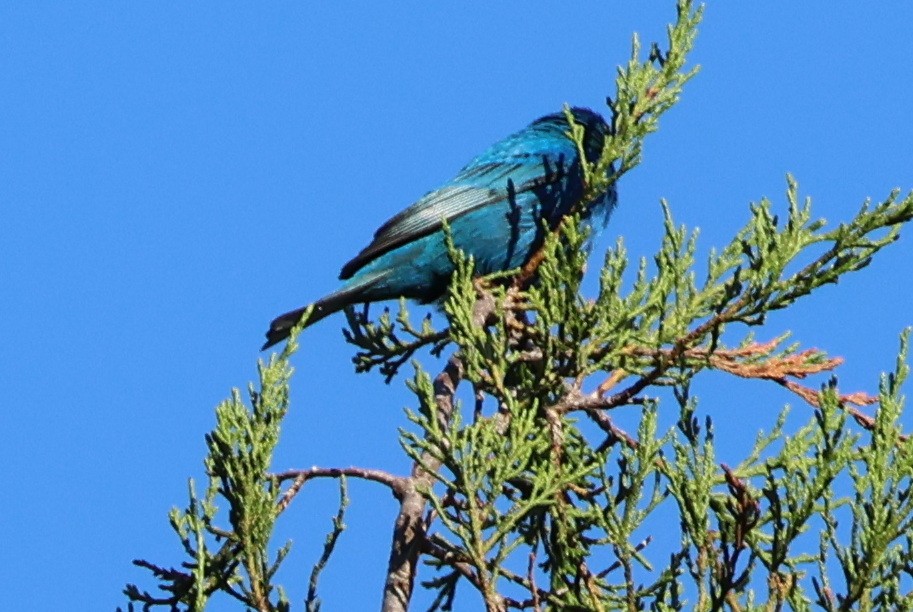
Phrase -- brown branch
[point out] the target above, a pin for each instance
(440, 550)
(531, 577)
(860, 398)
(781, 369)
(394, 483)
(614, 378)
(743, 508)
(617, 564)
(528, 271)
(666, 359)
(751, 361)
(409, 529)
(575, 400)
(589, 581)
(451, 559)
(614, 432)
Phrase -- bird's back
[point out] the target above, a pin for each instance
(497, 206)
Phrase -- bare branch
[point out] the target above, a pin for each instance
(410, 528)
(395, 483)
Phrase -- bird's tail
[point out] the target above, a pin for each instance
(281, 326)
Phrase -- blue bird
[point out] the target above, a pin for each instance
(498, 208)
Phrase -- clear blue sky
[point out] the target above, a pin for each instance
(173, 175)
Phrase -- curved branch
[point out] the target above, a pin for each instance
(397, 484)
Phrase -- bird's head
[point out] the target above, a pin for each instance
(595, 131)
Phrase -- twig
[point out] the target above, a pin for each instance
(395, 483)
(531, 576)
(442, 553)
(312, 603)
(615, 433)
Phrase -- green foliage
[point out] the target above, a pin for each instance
(236, 559)
(532, 495)
(529, 481)
(241, 447)
(645, 90)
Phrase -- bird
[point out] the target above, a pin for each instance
(499, 208)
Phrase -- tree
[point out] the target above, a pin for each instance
(531, 494)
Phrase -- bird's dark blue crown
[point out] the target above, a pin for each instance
(595, 128)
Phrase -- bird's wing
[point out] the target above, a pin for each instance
(481, 183)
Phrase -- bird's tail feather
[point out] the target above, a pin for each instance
(281, 326)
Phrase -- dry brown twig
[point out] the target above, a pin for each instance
(753, 361)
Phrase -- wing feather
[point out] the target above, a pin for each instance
(480, 184)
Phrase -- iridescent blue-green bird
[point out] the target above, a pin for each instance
(499, 209)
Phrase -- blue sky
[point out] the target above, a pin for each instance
(172, 176)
